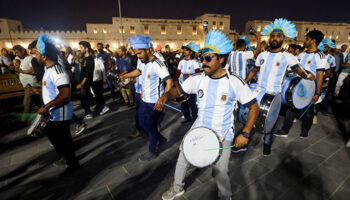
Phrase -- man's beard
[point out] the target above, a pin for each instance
(145, 60)
(273, 44)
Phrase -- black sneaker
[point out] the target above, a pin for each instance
(304, 134)
(281, 133)
(238, 149)
(69, 171)
(147, 157)
(267, 150)
(161, 142)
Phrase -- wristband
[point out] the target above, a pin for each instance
(246, 135)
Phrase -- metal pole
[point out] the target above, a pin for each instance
(121, 22)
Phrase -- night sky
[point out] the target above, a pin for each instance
(74, 14)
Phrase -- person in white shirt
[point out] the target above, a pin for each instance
(187, 67)
(217, 94)
(99, 78)
(273, 65)
(26, 77)
(238, 59)
(153, 75)
(5, 61)
(313, 61)
(56, 95)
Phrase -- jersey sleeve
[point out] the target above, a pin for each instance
(161, 71)
(292, 61)
(60, 77)
(321, 62)
(243, 92)
(259, 61)
(189, 86)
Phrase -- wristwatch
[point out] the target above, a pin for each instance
(246, 135)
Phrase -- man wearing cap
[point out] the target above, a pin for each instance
(153, 75)
(273, 65)
(218, 93)
(189, 66)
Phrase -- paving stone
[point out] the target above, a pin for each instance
(346, 184)
(302, 193)
(339, 161)
(324, 149)
(341, 194)
(323, 180)
(258, 190)
(100, 194)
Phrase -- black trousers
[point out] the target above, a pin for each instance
(85, 95)
(188, 105)
(307, 118)
(97, 87)
(59, 135)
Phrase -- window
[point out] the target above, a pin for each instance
(179, 30)
(95, 30)
(132, 30)
(194, 30)
(307, 29)
(336, 37)
(146, 29)
(221, 26)
(163, 31)
(121, 28)
(0, 30)
(259, 28)
(214, 25)
(18, 28)
(104, 30)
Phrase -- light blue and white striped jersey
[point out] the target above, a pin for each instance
(56, 77)
(313, 62)
(137, 84)
(188, 66)
(238, 62)
(216, 100)
(153, 76)
(330, 61)
(273, 67)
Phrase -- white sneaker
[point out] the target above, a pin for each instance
(172, 193)
(88, 116)
(348, 144)
(79, 128)
(104, 110)
(315, 121)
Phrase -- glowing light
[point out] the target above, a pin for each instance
(75, 45)
(115, 45)
(56, 40)
(9, 45)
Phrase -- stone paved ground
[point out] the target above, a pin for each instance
(313, 168)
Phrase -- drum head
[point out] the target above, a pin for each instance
(200, 147)
(273, 112)
(303, 93)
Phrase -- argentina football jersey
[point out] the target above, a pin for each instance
(55, 78)
(237, 62)
(313, 62)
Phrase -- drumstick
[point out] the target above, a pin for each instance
(219, 148)
(305, 111)
(169, 106)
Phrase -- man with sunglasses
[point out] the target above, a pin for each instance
(217, 93)
(153, 75)
(273, 65)
(188, 66)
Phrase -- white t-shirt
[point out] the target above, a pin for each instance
(153, 76)
(216, 100)
(273, 67)
(27, 79)
(99, 70)
(237, 62)
(56, 77)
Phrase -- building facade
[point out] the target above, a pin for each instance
(174, 32)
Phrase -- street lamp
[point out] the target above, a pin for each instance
(121, 22)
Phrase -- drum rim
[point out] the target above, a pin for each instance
(288, 94)
(271, 102)
(220, 146)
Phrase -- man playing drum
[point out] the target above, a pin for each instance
(56, 95)
(273, 64)
(217, 94)
(314, 61)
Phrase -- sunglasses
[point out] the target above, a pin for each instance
(206, 58)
